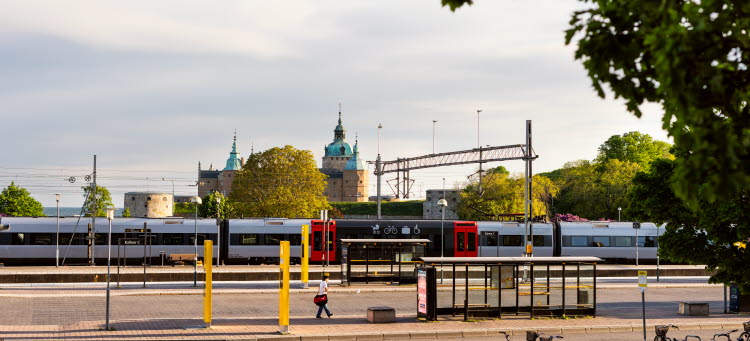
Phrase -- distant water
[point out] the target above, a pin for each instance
(71, 211)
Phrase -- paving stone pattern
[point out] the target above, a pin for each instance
(58, 314)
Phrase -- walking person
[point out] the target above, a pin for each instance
(322, 298)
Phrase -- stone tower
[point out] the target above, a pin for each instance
(355, 178)
(347, 176)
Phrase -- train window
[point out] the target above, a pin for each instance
(488, 238)
(274, 239)
(579, 241)
(472, 245)
(646, 241)
(201, 239)
(173, 239)
(100, 238)
(295, 239)
(318, 241)
(78, 239)
(460, 242)
(249, 239)
(601, 241)
(623, 241)
(42, 239)
(542, 240)
(19, 238)
(512, 240)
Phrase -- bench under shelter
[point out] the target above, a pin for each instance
(497, 286)
(381, 260)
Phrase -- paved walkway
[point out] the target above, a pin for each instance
(51, 314)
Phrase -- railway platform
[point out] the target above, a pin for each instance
(61, 313)
(251, 273)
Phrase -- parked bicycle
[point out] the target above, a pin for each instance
(534, 336)
(726, 335)
(745, 336)
(662, 330)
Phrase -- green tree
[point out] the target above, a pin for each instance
(634, 147)
(503, 194)
(16, 201)
(96, 201)
(594, 190)
(690, 57)
(210, 206)
(126, 213)
(715, 234)
(279, 182)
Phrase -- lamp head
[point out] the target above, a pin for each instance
(110, 213)
(196, 200)
(57, 197)
(442, 202)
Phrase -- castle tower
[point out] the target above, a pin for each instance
(355, 178)
(338, 152)
(234, 164)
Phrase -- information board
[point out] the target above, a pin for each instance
(422, 291)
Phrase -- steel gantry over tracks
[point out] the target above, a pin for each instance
(480, 155)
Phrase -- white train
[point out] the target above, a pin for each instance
(243, 241)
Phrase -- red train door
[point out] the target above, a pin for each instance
(320, 239)
(465, 242)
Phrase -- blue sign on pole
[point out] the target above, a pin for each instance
(734, 298)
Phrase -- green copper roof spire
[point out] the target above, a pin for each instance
(233, 162)
(355, 163)
(338, 147)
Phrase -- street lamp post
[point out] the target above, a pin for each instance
(618, 213)
(377, 171)
(218, 230)
(443, 204)
(110, 217)
(197, 201)
(57, 235)
(434, 122)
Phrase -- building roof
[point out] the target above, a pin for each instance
(338, 147)
(510, 260)
(233, 162)
(209, 174)
(355, 163)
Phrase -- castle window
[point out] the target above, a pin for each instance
(148, 198)
(132, 198)
(165, 198)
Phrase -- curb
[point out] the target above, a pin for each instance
(455, 334)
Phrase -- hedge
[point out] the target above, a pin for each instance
(397, 208)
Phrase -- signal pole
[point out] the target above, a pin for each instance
(92, 228)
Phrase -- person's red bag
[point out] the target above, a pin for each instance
(320, 300)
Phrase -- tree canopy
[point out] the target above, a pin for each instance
(594, 190)
(16, 201)
(502, 193)
(96, 201)
(634, 147)
(209, 207)
(689, 57)
(279, 182)
(715, 234)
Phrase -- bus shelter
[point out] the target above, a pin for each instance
(381, 260)
(497, 286)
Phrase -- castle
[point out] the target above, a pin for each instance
(347, 175)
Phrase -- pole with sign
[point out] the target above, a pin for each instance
(305, 259)
(642, 284)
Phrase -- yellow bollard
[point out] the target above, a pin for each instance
(207, 293)
(284, 291)
(305, 256)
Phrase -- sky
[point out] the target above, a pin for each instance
(154, 87)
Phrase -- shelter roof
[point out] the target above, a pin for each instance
(386, 241)
(510, 260)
